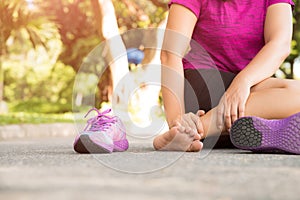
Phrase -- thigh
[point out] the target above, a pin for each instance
(273, 83)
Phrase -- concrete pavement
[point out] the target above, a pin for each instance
(47, 168)
(17, 131)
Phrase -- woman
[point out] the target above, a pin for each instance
(247, 41)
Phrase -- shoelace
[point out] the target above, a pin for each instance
(100, 122)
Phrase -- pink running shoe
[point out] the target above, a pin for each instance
(262, 135)
(103, 134)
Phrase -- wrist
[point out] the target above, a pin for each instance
(172, 123)
(244, 80)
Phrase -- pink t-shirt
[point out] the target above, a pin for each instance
(231, 32)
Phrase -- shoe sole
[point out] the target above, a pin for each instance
(86, 145)
(257, 134)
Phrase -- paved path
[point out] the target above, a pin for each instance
(49, 169)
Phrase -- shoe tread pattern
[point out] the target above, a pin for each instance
(244, 134)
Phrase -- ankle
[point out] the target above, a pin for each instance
(204, 123)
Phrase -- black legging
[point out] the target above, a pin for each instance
(204, 88)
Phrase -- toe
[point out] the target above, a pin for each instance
(195, 146)
(197, 137)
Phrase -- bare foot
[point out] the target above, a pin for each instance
(177, 140)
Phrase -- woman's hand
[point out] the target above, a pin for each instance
(232, 104)
(190, 123)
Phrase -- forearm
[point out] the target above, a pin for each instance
(180, 26)
(172, 86)
(265, 63)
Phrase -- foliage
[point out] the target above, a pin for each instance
(77, 23)
(32, 70)
(47, 83)
(41, 106)
(19, 28)
(77, 29)
(34, 118)
(139, 13)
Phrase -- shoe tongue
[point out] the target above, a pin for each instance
(101, 123)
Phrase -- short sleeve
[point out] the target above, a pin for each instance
(193, 5)
(271, 2)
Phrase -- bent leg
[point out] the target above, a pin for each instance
(271, 99)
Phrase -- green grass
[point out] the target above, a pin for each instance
(37, 112)
(34, 118)
(40, 106)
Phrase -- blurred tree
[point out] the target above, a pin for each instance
(108, 30)
(106, 22)
(27, 24)
(77, 28)
(23, 27)
(140, 14)
(133, 14)
(80, 22)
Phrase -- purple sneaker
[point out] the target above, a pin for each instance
(262, 135)
(103, 134)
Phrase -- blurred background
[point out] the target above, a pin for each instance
(43, 45)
